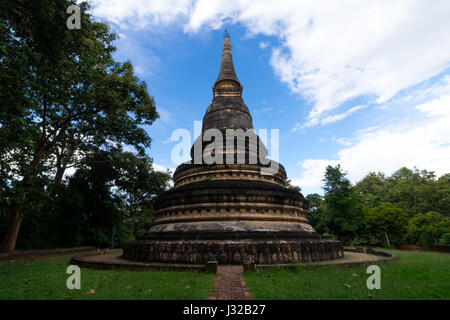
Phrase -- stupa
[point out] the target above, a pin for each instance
(232, 212)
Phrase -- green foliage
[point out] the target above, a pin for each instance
(341, 215)
(105, 202)
(429, 229)
(372, 190)
(100, 205)
(66, 103)
(386, 221)
(412, 190)
(315, 212)
(71, 96)
(442, 195)
(379, 208)
(445, 239)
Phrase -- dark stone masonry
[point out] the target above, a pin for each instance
(234, 251)
(231, 213)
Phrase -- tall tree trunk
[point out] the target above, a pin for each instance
(387, 239)
(10, 240)
(64, 158)
(112, 236)
(350, 241)
(60, 169)
(9, 243)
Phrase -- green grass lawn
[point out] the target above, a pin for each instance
(415, 275)
(46, 279)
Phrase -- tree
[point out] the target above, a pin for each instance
(429, 229)
(387, 223)
(115, 186)
(372, 189)
(315, 212)
(378, 208)
(412, 190)
(93, 207)
(62, 94)
(138, 185)
(443, 195)
(342, 213)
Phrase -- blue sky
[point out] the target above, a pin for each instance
(361, 84)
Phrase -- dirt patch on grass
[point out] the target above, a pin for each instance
(30, 255)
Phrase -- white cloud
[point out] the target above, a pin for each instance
(130, 47)
(263, 45)
(437, 107)
(329, 53)
(161, 168)
(312, 173)
(331, 119)
(69, 172)
(139, 70)
(344, 141)
(140, 14)
(165, 116)
(166, 141)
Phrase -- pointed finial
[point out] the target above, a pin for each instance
(227, 82)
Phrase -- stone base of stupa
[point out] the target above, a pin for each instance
(232, 222)
(233, 251)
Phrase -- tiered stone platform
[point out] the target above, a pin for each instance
(114, 260)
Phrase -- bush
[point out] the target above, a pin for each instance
(445, 239)
(429, 229)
